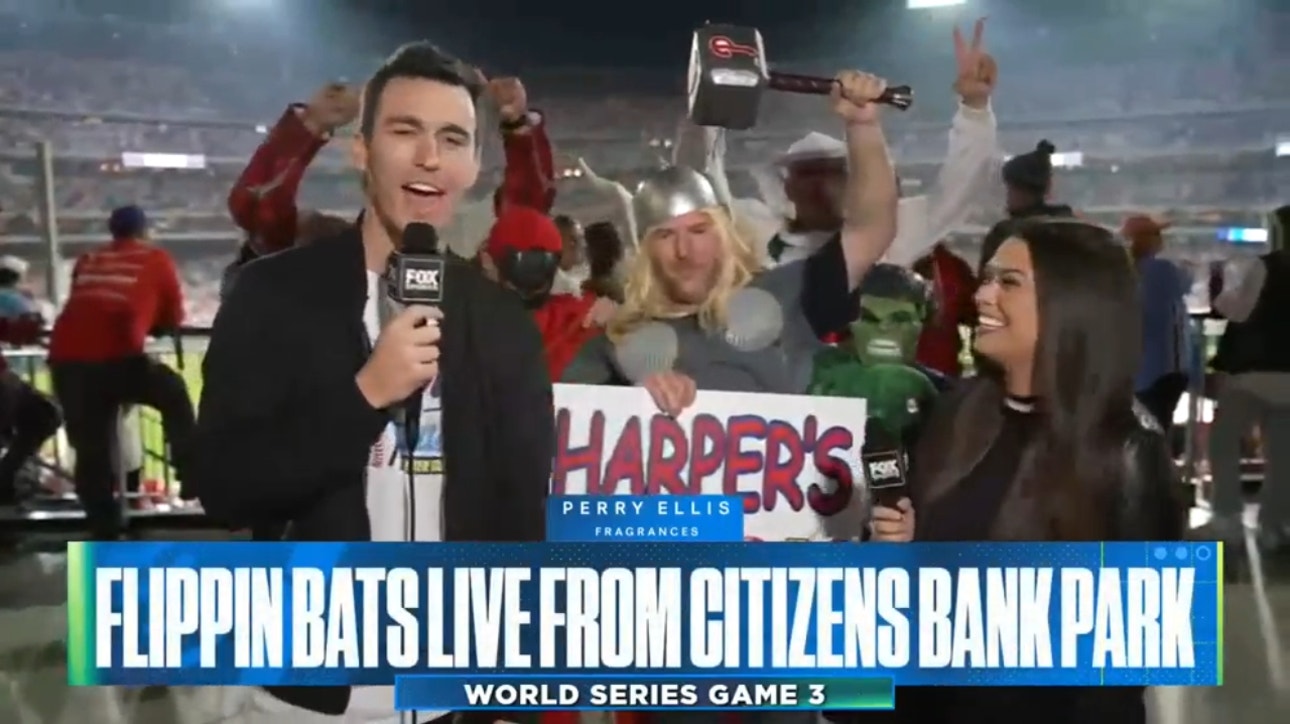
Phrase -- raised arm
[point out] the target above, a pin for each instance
(871, 192)
(263, 200)
(968, 180)
(529, 177)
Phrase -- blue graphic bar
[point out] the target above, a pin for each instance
(644, 519)
(647, 692)
(314, 614)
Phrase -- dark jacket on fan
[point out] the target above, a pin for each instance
(284, 435)
(1258, 343)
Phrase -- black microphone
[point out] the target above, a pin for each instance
(415, 275)
(885, 464)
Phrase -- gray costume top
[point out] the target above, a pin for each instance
(756, 353)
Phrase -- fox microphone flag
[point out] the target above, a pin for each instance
(883, 458)
(414, 274)
(415, 271)
(644, 625)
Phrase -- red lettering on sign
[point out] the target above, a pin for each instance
(827, 462)
(707, 449)
(781, 474)
(569, 459)
(668, 452)
(626, 462)
(679, 460)
(740, 462)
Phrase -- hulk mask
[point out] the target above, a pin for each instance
(894, 303)
(887, 331)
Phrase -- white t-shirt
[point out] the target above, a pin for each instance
(399, 511)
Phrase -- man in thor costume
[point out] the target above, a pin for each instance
(701, 312)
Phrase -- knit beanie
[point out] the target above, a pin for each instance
(1031, 171)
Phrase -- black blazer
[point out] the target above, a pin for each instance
(284, 435)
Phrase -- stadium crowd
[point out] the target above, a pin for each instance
(1169, 143)
(184, 179)
(1190, 139)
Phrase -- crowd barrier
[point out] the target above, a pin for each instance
(1195, 414)
(157, 503)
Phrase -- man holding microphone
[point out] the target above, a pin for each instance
(310, 368)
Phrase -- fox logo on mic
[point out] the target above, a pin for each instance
(418, 281)
(884, 469)
(421, 280)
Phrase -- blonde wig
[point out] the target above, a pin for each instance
(644, 296)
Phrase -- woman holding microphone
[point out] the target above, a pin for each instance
(1046, 443)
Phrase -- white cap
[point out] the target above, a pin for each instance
(14, 264)
(814, 146)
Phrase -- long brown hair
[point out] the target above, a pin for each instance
(1085, 362)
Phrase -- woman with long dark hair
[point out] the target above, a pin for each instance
(1046, 443)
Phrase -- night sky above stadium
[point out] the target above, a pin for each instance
(576, 32)
(520, 36)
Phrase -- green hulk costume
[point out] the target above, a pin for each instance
(877, 362)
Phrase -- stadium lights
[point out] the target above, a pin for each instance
(1072, 159)
(924, 4)
(1243, 235)
(163, 160)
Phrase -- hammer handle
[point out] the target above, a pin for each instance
(901, 96)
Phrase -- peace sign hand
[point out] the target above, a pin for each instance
(976, 69)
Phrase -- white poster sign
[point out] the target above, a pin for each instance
(795, 460)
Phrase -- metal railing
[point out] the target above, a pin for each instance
(142, 439)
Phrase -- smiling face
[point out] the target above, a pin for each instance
(1007, 307)
(418, 157)
(686, 255)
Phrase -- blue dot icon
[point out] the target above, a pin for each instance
(1203, 553)
(1160, 553)
(1181, 553)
